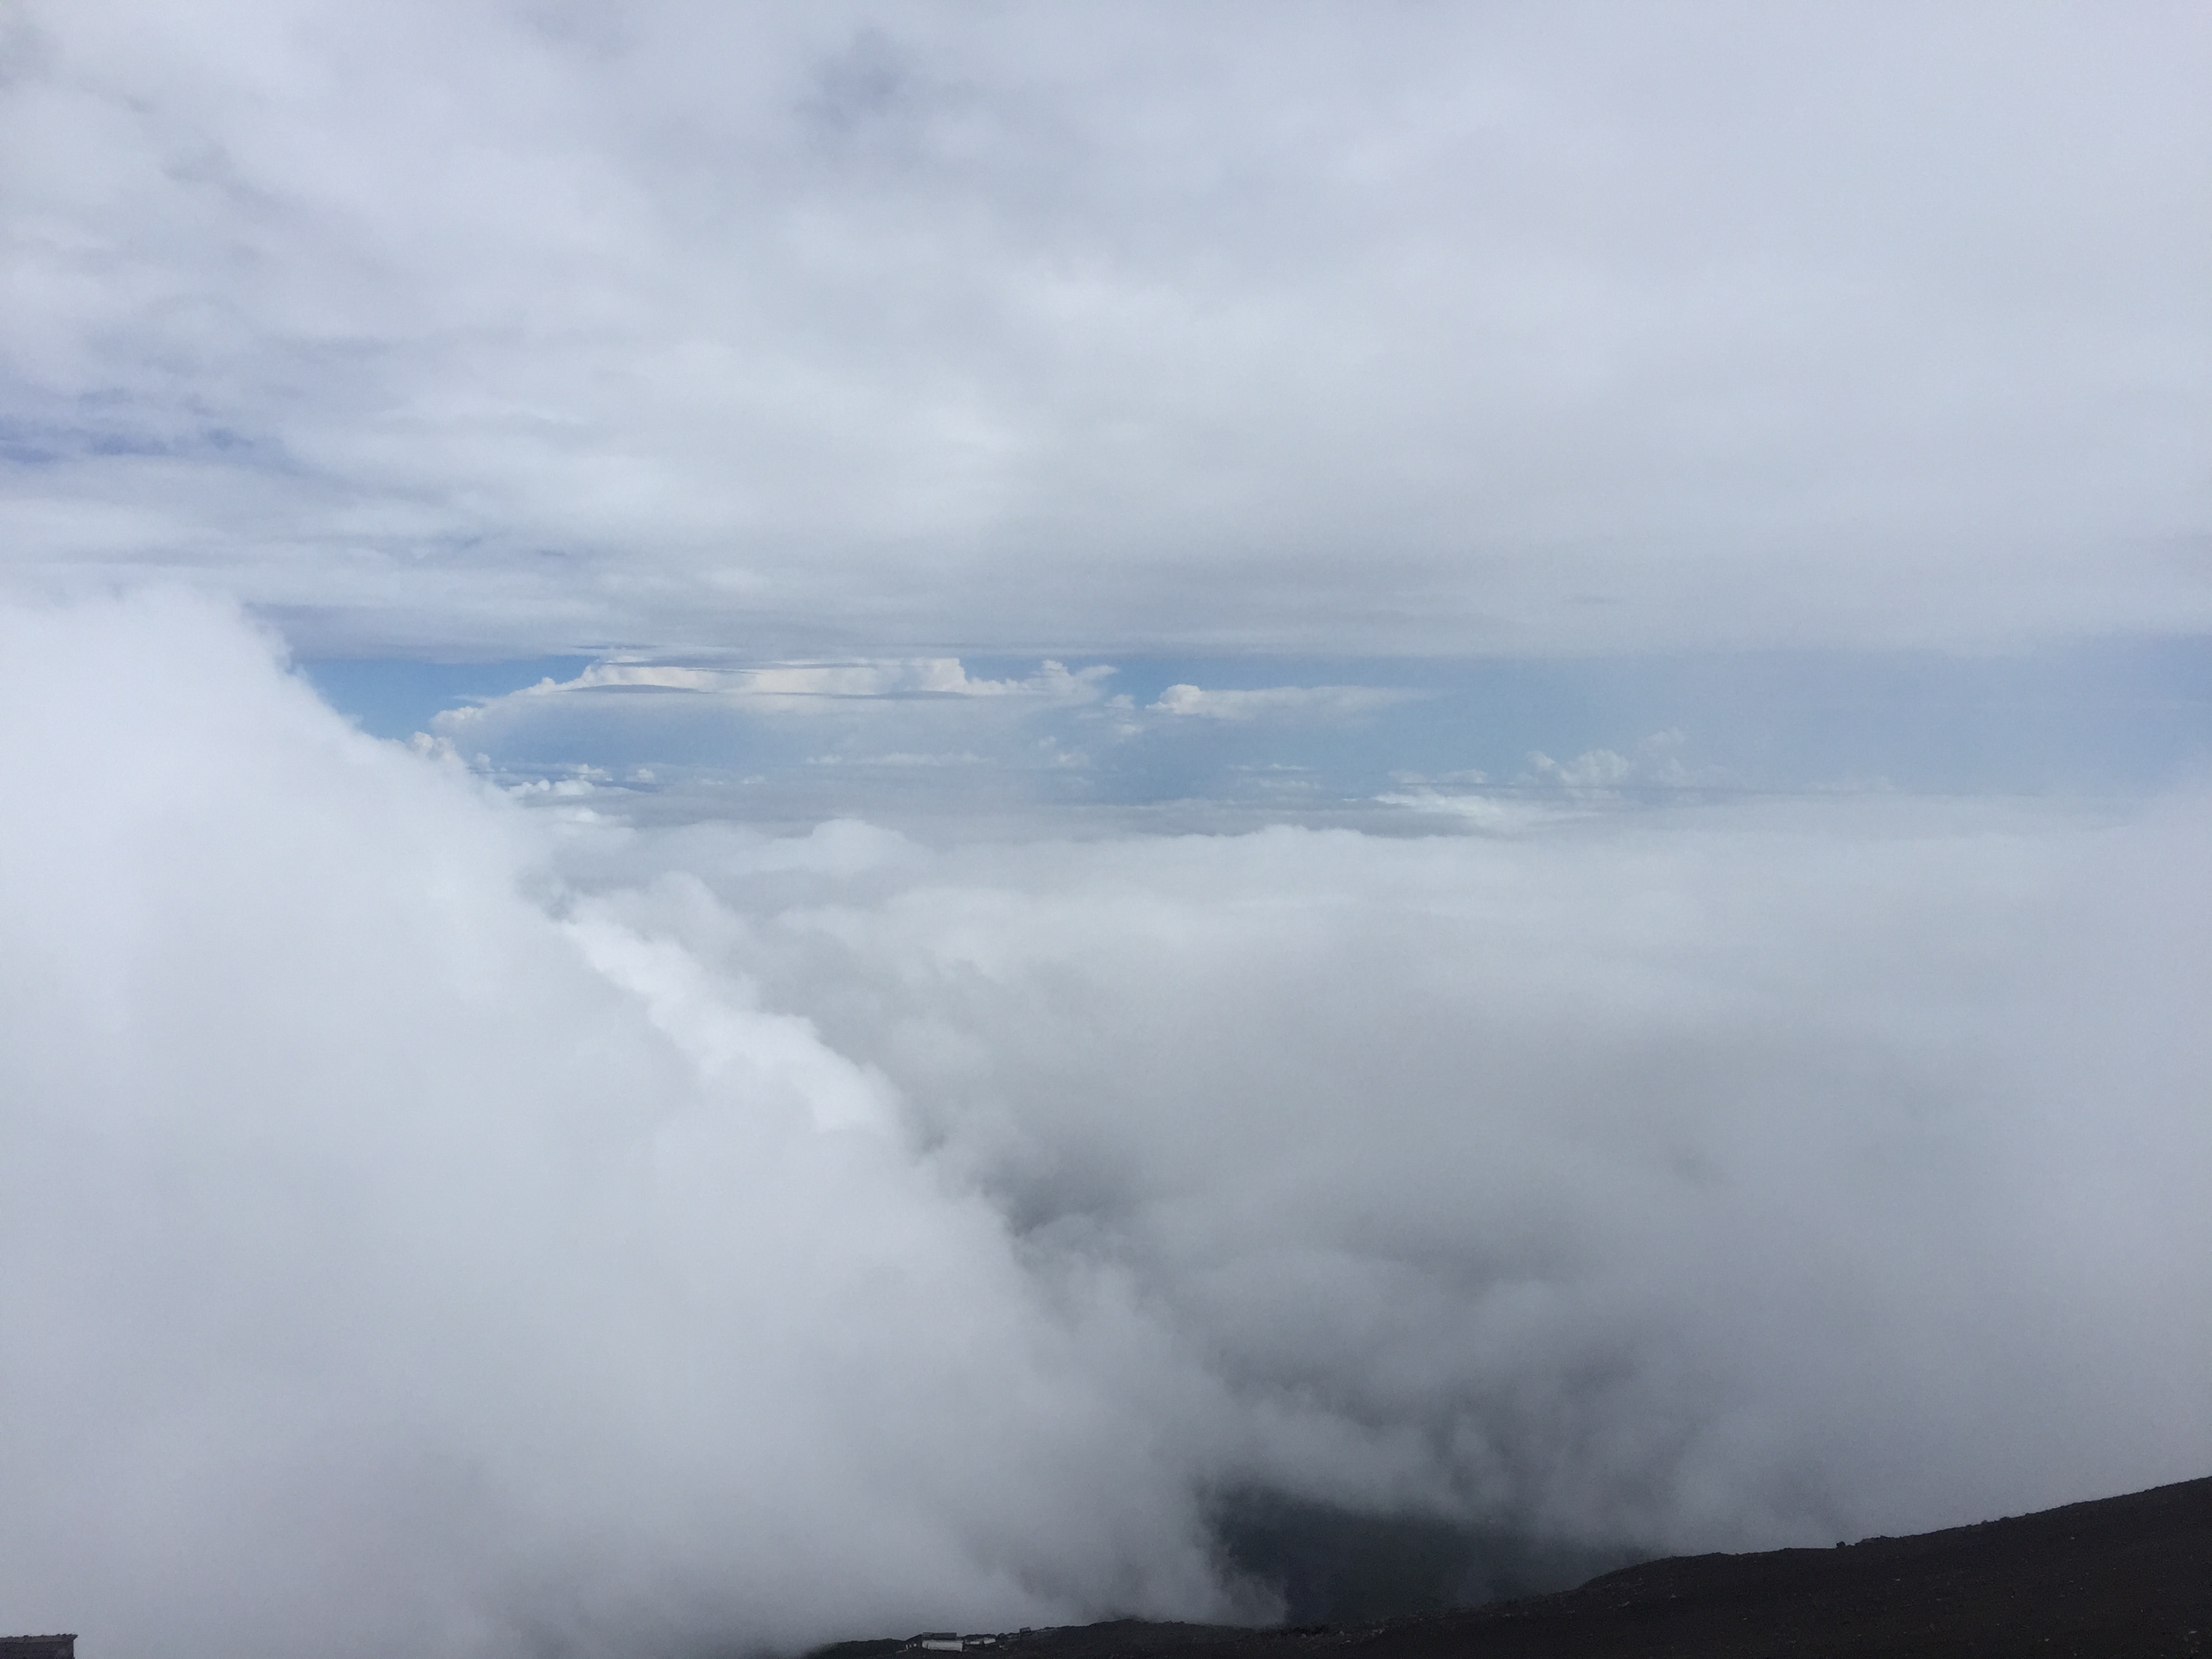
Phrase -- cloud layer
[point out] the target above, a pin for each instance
(1732, 1177)
(394, 1265)
(554, 1219)
(433, 1226)
(513, 328)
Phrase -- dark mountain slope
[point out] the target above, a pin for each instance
(2118, 1578)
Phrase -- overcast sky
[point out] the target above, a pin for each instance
(813, 816)
(515, 328)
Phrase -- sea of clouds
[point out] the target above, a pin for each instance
(762, 1136)
(431, 1223)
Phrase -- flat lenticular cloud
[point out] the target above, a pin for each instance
(627, 718)
(427, 1231)
(794, 687)
(1277, 702)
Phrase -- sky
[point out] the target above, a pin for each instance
(821, 820)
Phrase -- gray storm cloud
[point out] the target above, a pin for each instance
(430, 1226)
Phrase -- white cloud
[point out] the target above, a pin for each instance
(793, 688)
(473, 1221)
(1728, 1178)
(1656, 763)
(434, 1227)
(897, 758)
(1482, 811)
(910, 716)
(1307, 703)
(1597, 778)
(1772, 1121)
(395, 1265)
(1076, 330)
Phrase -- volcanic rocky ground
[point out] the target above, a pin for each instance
(2119, 1578)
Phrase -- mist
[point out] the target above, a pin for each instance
(437, 1225)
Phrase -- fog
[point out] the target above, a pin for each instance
(434, 1225)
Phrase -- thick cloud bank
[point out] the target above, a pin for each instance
(393, 1267)
(426, 1226)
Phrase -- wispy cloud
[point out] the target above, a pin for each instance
(793, 687)
(1281, 703)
